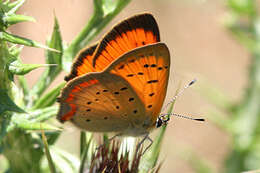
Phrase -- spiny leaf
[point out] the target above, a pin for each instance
(40, 115)
(56, 43)
(5, 36)
(85, 142)
(16, 18)
(49, 98)
(35, 126)
(14, 6)
(51, 58)
(6, 103)
(24, 86)
(151, 156)
(16, 67)
(48, 154)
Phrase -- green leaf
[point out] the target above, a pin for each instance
(56, 43)
(14, 6)
(23, 85)
(51, 58)
(21, 40)
(15, 50)
(52, 136)
(151, 156)
(33, 120)
(48, 154)
(85, 141)
(42, 114)
(16, 18)
(35, 126)
(49, 98)
(3, 127)
(16, 67)
(6, 103)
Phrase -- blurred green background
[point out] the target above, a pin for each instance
(204, 42)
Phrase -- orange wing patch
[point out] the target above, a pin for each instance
(83, 63)
(131, 33)
(68, 106)
(147, 71)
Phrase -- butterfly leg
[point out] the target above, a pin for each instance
(142, 141)
(108, 141)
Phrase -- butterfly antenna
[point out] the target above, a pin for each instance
(179, 93)
(164, 118)
(185, 116)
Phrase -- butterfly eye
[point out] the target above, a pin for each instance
(159, 122)
(162, 120)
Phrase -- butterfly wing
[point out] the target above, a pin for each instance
(83, 63)
(131, 33)
(126, 97)
(146, 69)
(100, 102)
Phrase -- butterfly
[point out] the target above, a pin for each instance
(118, 84)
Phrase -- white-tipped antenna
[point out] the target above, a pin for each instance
(164, 118)
(179, 93)
(183, 116)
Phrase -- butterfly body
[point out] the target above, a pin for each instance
(119, 85)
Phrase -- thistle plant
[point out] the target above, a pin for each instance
(26, 137)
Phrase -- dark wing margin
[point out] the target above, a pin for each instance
(82, 63)
(129, 34)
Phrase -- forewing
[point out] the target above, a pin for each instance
(133, 32)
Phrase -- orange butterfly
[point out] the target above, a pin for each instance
(119, 85)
